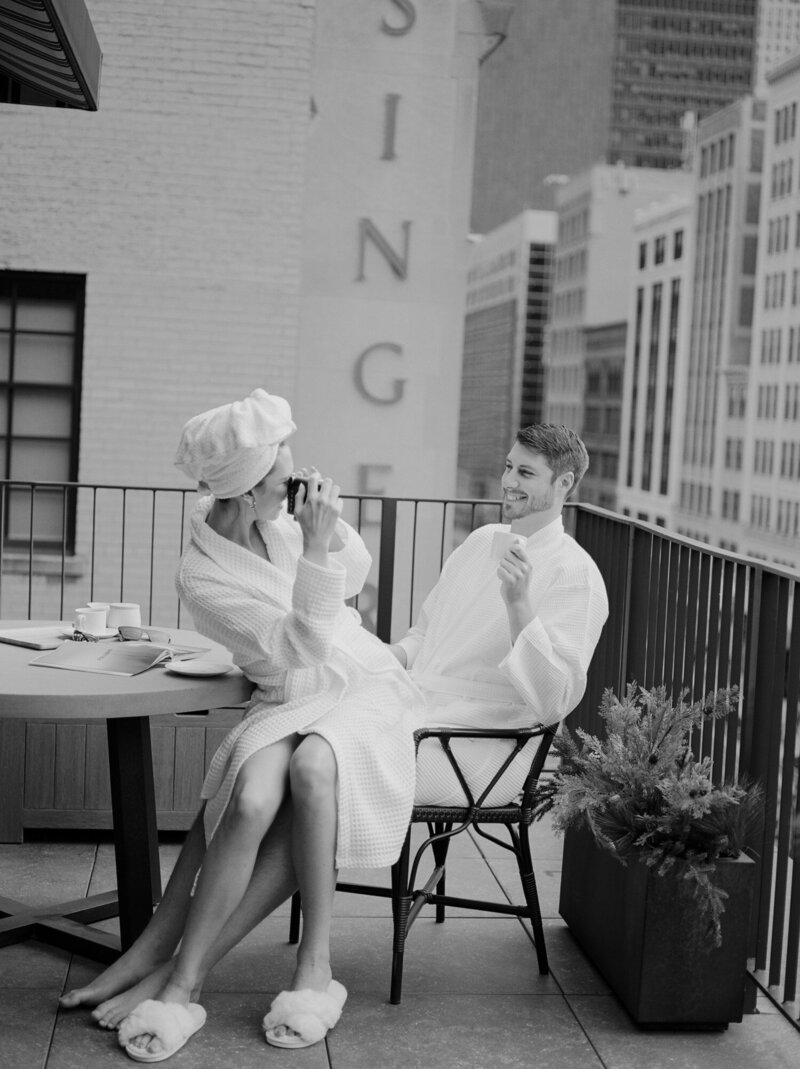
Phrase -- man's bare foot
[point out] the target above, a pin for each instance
(112, 1011)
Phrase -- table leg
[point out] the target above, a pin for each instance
(135, 831)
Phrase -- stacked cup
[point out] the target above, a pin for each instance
(91, 618)
(99, 617)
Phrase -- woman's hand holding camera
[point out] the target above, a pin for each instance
(317, 510)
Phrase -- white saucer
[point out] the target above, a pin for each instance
(108, 632)
(198, 667)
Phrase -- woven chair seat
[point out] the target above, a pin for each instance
(477, 815)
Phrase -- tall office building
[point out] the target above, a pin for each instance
(586, 336)
(655, 365)
(502, 387)
(720, 390)
(582, 81)
(778, 34)
(768, 447)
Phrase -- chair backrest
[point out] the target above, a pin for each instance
(536, 769)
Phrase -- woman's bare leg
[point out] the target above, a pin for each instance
(313, 778)
(230, 859)
(158, 941)
(273, 881)
(313, 782)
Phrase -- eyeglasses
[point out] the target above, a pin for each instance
(128, 633)
(83, 636)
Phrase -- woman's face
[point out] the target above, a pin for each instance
(269, 494)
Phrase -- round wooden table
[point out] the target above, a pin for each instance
(126, 703)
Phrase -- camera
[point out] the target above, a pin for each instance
(293, 485)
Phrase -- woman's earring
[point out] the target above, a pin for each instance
(250, 499)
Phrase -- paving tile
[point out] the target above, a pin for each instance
(467, 877)
(261, 963)
(26, 1024)
(40, 873)
(548, 882)
(231, 1037)
(32, 964)
(473, 997)
(756, 1041)
(493, 956)
(104, 876)
(460, 1032)
(571, 970)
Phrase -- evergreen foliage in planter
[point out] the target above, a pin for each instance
(655, 885)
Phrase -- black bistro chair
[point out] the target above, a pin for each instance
(408, 891)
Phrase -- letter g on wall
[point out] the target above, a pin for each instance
(360, 370)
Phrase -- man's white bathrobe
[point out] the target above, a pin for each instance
(316, 669)
(461, 655)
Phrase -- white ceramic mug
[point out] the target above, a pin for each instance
(124, 613)
(103, 606)
(91, 621)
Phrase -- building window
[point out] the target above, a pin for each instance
(677, 245)
(642, 255)
(658, 250)
(41, 342)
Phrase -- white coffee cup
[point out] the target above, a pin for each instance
(502, 541)
(102, 606)
(124, 614)
(91, 621)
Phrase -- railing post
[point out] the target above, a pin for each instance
(386, 551)
(761, 732)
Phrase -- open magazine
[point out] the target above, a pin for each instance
(114, 658)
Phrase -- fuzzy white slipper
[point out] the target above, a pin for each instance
(311, 1014)
(170, 1022)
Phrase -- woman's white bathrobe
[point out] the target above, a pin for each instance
(316, 669)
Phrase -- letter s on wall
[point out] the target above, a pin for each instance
(408, 9)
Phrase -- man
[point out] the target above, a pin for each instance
(506, 636)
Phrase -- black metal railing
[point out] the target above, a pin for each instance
(682, 614)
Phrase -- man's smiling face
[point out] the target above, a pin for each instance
(531, 489)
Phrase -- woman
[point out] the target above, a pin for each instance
(320, 772)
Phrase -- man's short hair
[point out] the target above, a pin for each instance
(561, 448)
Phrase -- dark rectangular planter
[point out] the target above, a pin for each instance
(643, 934)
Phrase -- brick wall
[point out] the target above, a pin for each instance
(181, 201)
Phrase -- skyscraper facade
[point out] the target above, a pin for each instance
(672, 57)
(502, 387)
(544, 106)
(727, 195)
(778, 34)
(586, 81)
(655, 365)
(591, 281)
(770, 429)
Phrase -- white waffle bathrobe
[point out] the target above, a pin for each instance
(316, 669)
(461, 656)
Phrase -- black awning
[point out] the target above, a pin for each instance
(50, 46)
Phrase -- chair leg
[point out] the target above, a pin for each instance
(440, 857)
(294, 919)
(528, 880)
(401, 905)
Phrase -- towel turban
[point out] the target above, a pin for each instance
(231, 448)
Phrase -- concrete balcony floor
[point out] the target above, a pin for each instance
(473, 998)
